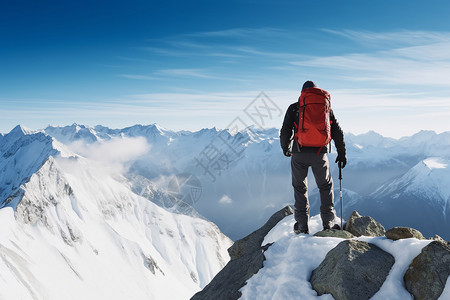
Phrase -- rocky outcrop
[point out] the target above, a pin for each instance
(437, 238)
(247, 256)
(353, 270)
(226, 284)
(253, 241)
(358, 226)
(427, 275)
(398, 233)
(343, 234)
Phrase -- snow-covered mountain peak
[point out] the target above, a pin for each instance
(430, 142)
(74, 132)
(430, 179)
(206, 132)
(149, 131)
(17, 133)
(423, 135)
(22, 130)
(435, 163)
(428, 167)
(369, 139)
(78, 222)
(21, 155)
(423, 186)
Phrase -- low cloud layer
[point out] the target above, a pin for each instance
(225, 200)
(116, 153)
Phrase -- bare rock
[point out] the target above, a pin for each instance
(427, 275)
(253, 241)
(353, 270)
(437, 238)
(398, 233)
(343, 234)
(227, 283)
(358, 226)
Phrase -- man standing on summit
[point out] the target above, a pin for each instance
(308, 127)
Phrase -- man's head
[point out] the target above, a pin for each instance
(308, 84)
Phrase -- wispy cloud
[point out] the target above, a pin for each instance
(379, 99)
(139, 77)
(165, 51)
(199, 73)
(426, 64)
(397, 57)
(285, 56)
(392, 39)
(232, 43)
(134, 59)
(217, 101)
(242, 33)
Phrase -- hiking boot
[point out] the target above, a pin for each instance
(297, 230)
(335, 226)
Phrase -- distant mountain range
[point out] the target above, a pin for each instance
(244, 177)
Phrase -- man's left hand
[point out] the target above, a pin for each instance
(342, 158)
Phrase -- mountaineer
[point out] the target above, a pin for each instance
(308, 127)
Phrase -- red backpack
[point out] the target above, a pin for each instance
(314, 127)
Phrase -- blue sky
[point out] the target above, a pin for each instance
(196, 64)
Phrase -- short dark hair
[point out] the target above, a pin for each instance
(308, 84)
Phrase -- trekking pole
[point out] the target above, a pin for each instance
(340, 189)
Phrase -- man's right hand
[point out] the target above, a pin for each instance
(287, 153)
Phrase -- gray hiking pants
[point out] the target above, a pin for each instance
(300, 162)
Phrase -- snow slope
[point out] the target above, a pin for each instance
(292, 258)
(72, 228)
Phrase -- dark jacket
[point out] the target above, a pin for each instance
(287, 133)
